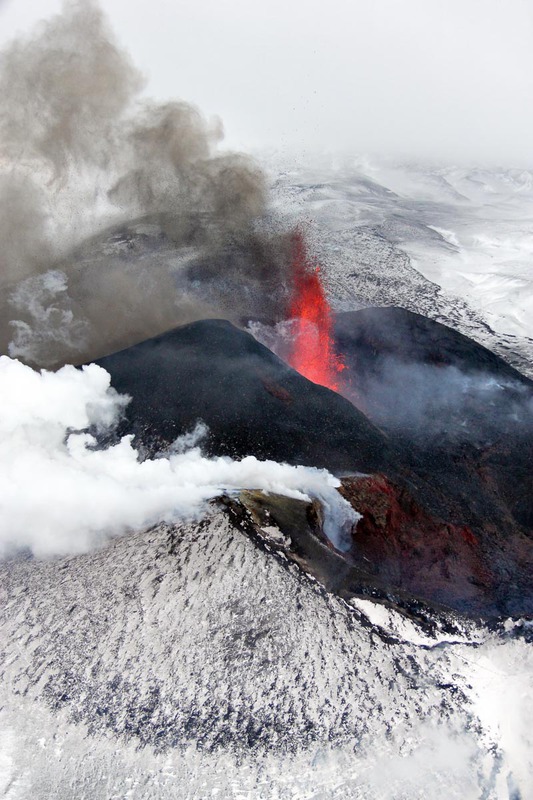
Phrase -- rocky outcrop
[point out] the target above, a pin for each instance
(406, 548)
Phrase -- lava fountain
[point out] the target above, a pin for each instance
(312, 351)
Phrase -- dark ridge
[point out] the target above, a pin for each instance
(456, 411)
(381, 332)
(251, 401)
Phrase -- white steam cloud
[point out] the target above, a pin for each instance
(61, 493)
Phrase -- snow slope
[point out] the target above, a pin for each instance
(189, 662)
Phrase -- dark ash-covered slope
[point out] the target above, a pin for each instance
(455, 410)
(463, 421)
(250, 400)
(391, 331)
(437, 520)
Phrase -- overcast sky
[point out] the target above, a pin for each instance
(448, 79)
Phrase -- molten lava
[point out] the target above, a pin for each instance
(313, 351)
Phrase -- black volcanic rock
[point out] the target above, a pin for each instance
(375, 333)
(250, 400)
(462, 420)
(457, 412)
(447, 497)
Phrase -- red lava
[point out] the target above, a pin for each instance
(313, 351)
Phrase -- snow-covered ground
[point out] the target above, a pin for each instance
(189, 663)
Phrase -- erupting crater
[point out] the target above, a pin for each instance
(312, 352)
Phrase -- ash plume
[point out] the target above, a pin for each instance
(119, 218)
(64, 90)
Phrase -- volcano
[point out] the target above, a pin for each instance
(444, 516)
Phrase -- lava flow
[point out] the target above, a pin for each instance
(313, 352)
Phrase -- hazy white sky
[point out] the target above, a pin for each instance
(443, 78)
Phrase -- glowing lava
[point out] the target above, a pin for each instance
(313, 351)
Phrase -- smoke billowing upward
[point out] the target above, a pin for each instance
(64, 91)
(82, 151)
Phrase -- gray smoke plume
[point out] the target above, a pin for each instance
(118, 217)
(24, 247)
(64, 90)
